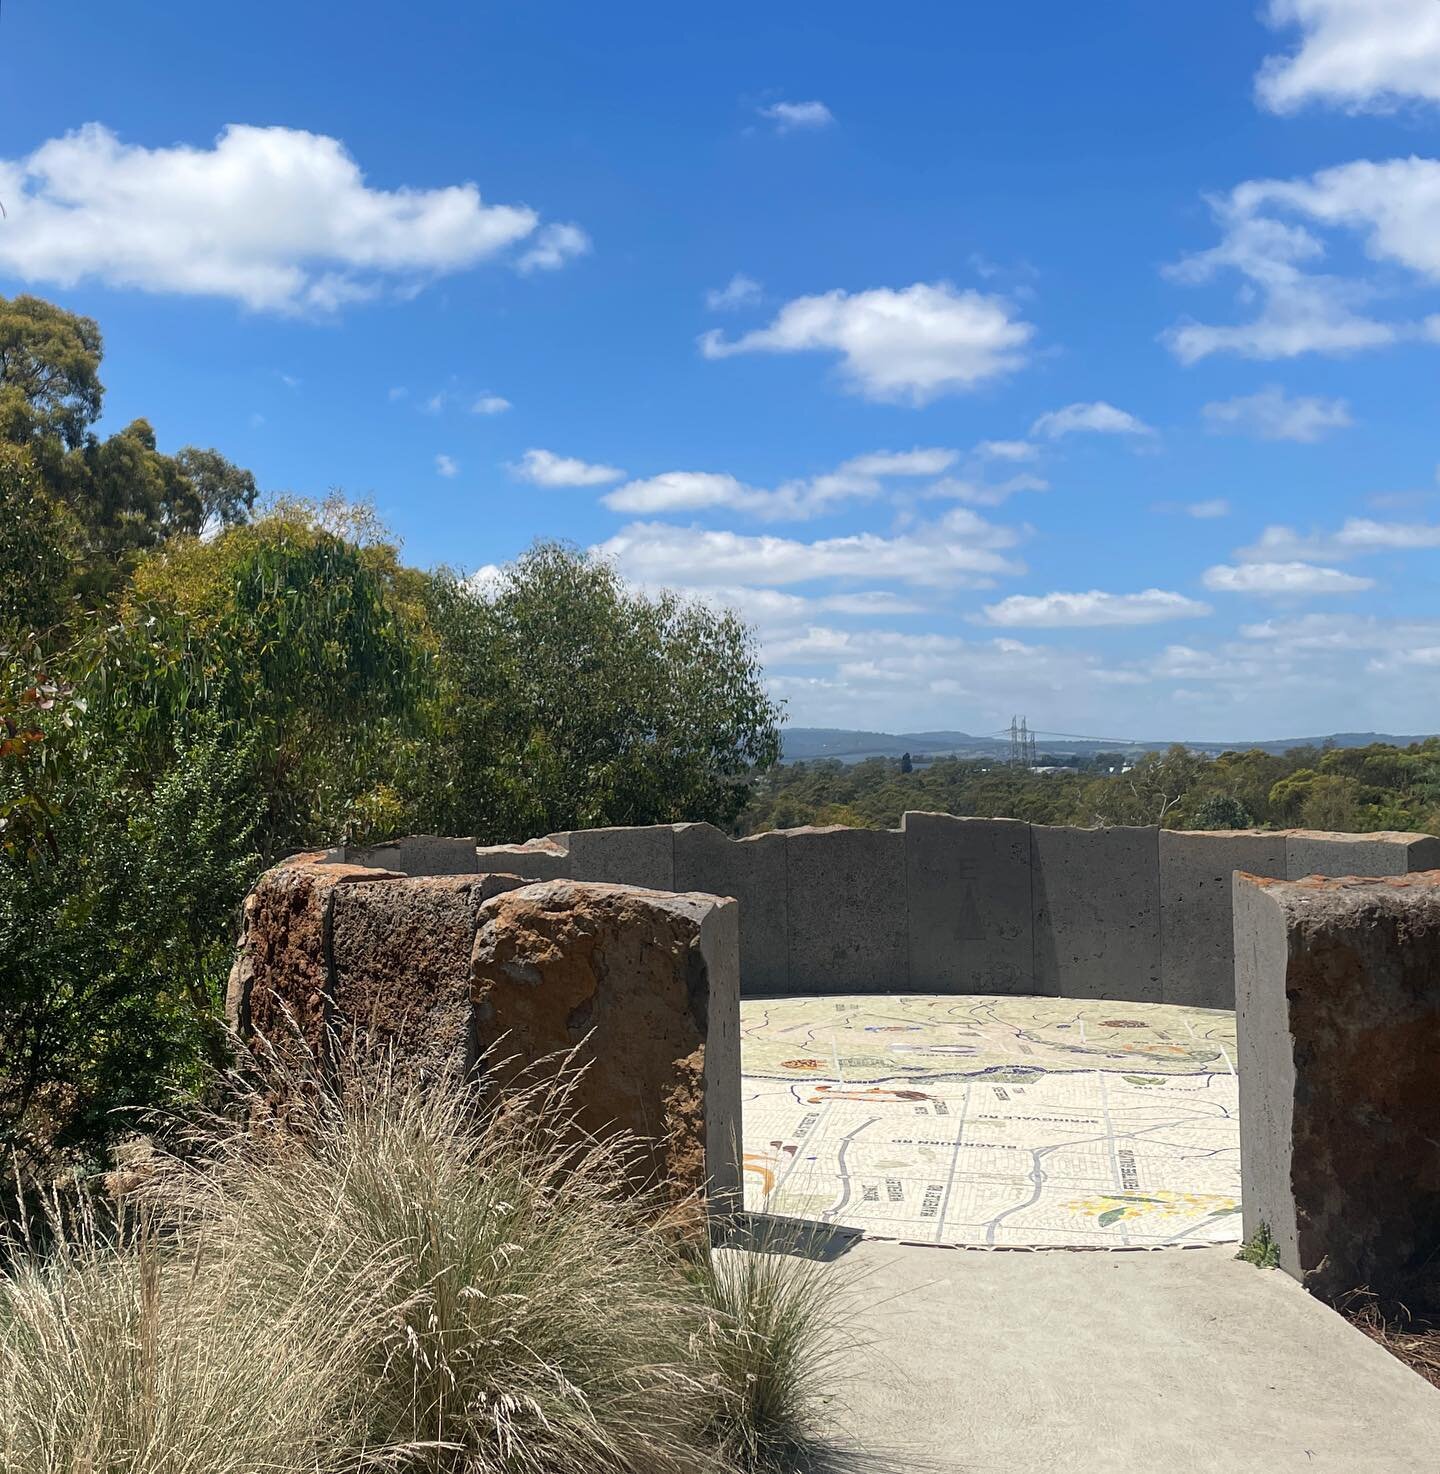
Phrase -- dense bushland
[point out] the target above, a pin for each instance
(194, 684)
(1353, 789)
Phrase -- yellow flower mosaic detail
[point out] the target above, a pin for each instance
(1111, 1208)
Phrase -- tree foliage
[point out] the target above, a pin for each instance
(1348, 789)
(190, 689)
(572, 701)
(123, 493)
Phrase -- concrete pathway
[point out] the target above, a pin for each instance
(1180, 1360)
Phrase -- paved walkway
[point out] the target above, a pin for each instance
(1179, 1360)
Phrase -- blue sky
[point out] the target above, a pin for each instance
(1075, 361)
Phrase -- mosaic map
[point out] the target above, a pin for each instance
(997, 1121)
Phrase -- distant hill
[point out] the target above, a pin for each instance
(804, 744)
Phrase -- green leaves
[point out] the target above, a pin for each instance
(572, 701)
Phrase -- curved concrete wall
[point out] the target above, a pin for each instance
(953, 905)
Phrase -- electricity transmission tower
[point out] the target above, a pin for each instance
(1022, 744)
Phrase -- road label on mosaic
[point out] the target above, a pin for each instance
(1000, 1121)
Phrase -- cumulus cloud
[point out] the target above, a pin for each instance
(908, 345)
(1329, 633)
(980, 493)
(490, 404)
(1272, 414)
(1392, 207)
(960, 550)
(897, 679)
(797, 117)
(862, 477)
(739, 291)
(1355, 537)
(1282, 580)
(1099, 418)
(1364, 55)
(1007, 450)
(774, 611)
(445, 466)
(1217, 506)
(545, 468)
(1094, 609)
(554, 246)
(278, 219)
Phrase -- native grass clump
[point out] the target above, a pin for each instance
(404, 1277)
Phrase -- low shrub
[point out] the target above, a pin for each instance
(419, 1278)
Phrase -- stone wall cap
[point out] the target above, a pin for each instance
(1419, 884)
(325, 866)
(1385, 836)
(563, 893)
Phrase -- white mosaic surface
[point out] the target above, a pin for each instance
(994, 1121)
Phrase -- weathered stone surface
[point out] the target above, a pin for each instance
(646, 983)
(536, 859)
(848, 923)
(642, 856)
(416, 854)
(1387, 852)
(1197, 963)
(968, 888)
(1338, 1005)
(1097, 912)
(400, 953)
(280, 987)
(753, 872)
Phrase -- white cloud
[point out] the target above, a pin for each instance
(1393, 207)
(896, 679)
(554, 246)
(276, 218)
(929, 461)
(739, 291)
(490, 404)
(1215, 507)
(861, 477)
(792, 117)
(774, 611)
(1365, 55)
(960, 550)
(984, 493)
(398, 393)
(446, 466)
(1282, 580)
(1271, 414)
(1007, 450)
(1099, 417)
(1094, 609)
(434, 404)
(909, 345)
(545, 468)
(1330, 633)
(1356, 537)
(685, 491)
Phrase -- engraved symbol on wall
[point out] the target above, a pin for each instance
(968, 925)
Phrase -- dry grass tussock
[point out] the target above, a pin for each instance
(413, 1279)
(1412, 1337)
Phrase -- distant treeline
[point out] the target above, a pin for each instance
(1353, 789)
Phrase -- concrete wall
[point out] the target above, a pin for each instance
(1196, 871)
(951, 905)
(968, 892)
(1096, 905)
(1338, 1001)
